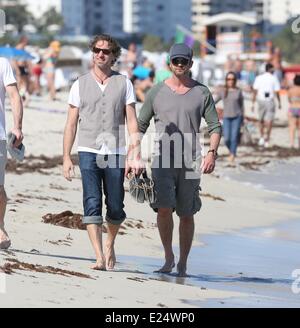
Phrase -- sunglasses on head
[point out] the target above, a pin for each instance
(180, 61)
(105, 51)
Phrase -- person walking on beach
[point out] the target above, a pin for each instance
(23, 72)
(233, 113)
(100, 101)
(178, 105)
(50, 60)
(294, 111)
(265, 87)
(8, 84)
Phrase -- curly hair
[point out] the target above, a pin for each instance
(113, 43)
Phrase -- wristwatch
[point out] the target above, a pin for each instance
(214, 152)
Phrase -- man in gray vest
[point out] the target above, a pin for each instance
(100, 101)
(178, 105)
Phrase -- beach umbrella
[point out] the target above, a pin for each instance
(13, 53)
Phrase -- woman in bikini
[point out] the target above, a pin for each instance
(50, 60)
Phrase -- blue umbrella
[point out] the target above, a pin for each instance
(13, 53)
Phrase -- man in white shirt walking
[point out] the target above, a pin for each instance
(100, 101)
(7, 84)
(265, 87)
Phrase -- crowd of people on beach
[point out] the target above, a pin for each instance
(102, 100)
(28, 72)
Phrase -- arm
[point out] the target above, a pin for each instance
(69, 137)
(146, 112)
(215, 132)
(217, 96)
(253, 99)
(133, 161)
(17, 110)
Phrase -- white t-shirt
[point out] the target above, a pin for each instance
(266, 86)
(74, 100)
(6, 78)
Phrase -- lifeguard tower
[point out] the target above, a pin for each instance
(227, 32)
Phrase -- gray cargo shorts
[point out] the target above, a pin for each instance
(176, 188)
(266, 110)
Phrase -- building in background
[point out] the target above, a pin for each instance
(73, 12)
(157, 17)
(104, 17)
(202, 9)
(90, 17)
(277, 13)
(38, 7)
(123, 18)
(126, 17)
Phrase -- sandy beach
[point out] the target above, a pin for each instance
(49, 265)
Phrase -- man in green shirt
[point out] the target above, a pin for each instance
(177, 105)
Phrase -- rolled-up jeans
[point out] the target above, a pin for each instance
(98, 178)
(231, 132)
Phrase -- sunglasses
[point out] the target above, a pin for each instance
(180, 61)
(105, 51)
(231, 79)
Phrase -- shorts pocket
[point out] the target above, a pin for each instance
(197, 203)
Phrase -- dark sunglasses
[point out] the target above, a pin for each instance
(180, 61)
(105, 51)
(231, 79)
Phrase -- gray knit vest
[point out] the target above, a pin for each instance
(102, 114)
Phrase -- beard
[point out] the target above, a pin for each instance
(180, 73)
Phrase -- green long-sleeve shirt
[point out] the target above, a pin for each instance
(179, 114)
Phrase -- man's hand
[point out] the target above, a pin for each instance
(208, 163)
(19, 136)
(134, 166)
(68, 169)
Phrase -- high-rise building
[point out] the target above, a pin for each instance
(277, 13)
(73, 12)
(157, 17)
(118, 17)
(89, 17)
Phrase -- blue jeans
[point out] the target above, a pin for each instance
(95, 175)
(231, 132)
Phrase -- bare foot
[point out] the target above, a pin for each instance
(110, 257)
(181, 270)
(231, 159)
(4, 239)
(167, 267)
(100, 265)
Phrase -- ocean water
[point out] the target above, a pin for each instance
(257, 262)
(261, 262)
(282, 178)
